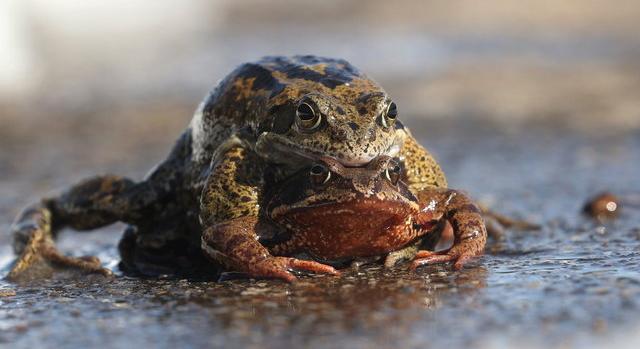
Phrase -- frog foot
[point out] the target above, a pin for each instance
(281, 267)
(39, 254)
(459, 258)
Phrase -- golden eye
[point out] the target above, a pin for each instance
(320, 174)
(306, 117)
(390, 115)
(392, 173)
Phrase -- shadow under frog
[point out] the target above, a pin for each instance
(279, 113)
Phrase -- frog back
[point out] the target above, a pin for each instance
(243, 100)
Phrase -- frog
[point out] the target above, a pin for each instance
(336, 214)
(262, 123)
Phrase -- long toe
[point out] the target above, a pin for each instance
(434, 259)
(274, 267)
(312, 266)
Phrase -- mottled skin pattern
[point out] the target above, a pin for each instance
(265, 121)
(335, 213)
(370, 211)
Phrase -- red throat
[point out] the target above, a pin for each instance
(358, 228)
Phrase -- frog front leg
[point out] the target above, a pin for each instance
(234, 243)
(230, 214)
(427, 181)
(469, 231)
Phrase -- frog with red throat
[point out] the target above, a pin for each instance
(335, 214)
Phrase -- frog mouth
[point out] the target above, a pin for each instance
(281, 150)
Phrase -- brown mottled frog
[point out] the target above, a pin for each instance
(335, 214)
(265, 121)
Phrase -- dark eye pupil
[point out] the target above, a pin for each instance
(396, 169)
(319, 174)
(305, 112)
(392, 113)
(317, 170)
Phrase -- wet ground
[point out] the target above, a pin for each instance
(575, 283)
(559, 81)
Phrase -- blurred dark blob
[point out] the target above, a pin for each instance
(602, 207)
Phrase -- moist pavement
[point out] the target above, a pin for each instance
(574, 283)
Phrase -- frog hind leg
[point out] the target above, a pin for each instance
(91, 204)
(163, 248)
(469, 230)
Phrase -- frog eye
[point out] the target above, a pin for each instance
(392, 173)
(319, 174)
(306, 117)
(390, 115)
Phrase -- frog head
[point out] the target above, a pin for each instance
(326, 107)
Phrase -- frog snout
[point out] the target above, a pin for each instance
(341, 133)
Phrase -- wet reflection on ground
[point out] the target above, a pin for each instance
(373, 305)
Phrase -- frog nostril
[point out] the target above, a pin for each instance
(340, 134)
(370, 135)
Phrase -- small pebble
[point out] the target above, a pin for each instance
(602, 206)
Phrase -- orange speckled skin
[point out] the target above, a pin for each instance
(363, 227)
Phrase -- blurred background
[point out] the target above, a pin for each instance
(573, 61)
(532, 106)
(126, 75)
